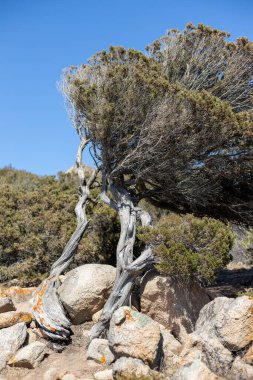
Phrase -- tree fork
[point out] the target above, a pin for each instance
(127, 270)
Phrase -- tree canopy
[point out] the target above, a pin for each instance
(173, 125)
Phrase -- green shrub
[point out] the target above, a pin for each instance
(37, 219)
(187, 246)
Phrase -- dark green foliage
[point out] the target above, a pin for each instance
(37, 219)
(177, 121)
(187, 246)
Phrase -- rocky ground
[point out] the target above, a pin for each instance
(178, 332)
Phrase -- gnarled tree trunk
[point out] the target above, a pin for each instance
(47, 309)
(127, 269)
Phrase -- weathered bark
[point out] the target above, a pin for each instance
(47, 310)
(127, 269)
(121, 291)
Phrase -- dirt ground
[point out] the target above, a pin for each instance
(71, 360)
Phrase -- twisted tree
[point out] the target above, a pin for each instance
(173, 126)
(47, 309)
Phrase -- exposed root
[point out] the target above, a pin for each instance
(48, 311)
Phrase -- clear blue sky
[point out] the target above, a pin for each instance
(38, 38)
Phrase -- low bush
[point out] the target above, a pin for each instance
(187, 246)
(37, 219)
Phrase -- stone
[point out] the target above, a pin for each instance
(21, 297)
(100, 352)
(196, 370)
(69, 376)
(171, 349)
(170, 343)
(218, 357)
(32, 337)
(171, 303)
(210, 350)
(104, 375)
(6, 304)
(12, 317)
(53, 374)
(85, 290)
(62, 278)
(241, 370)
(33, 325)
(11, 339)
(17, 293)
(134, 334)
(248, 357)
(96, 316)
(129, 368)
(29, 356)
(197, 353)
(229, 320)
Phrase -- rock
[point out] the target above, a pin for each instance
(33, 325)
(12, 317)
(96, 316)
(62, 278)
(171, 349)
(196, 370)
(32, 337)
(6, 304)
(248, 357)
(85, 290)
(29, 356)
(104, 375)
(230, 320)
(197, 353)
(53, 374)
(209, 350)
(194, 362)
(218, 357)
(21, 297)
(11, 339)
(134, 334)
(170, 343)
(100, 352)
(129, 368)
(241, 370)
(17, 293)
(171, 303)
(69, 376)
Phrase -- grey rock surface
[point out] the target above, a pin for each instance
(29, 356)
(99, 351)
(85, 290)
(136, 335)
(11, 339)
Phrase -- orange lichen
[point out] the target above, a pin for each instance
(38, 307)
(103, 360)
(25, 317)
(128, 315)
(16, 290)
(13, 317)
(39, 303)
(42, 320)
